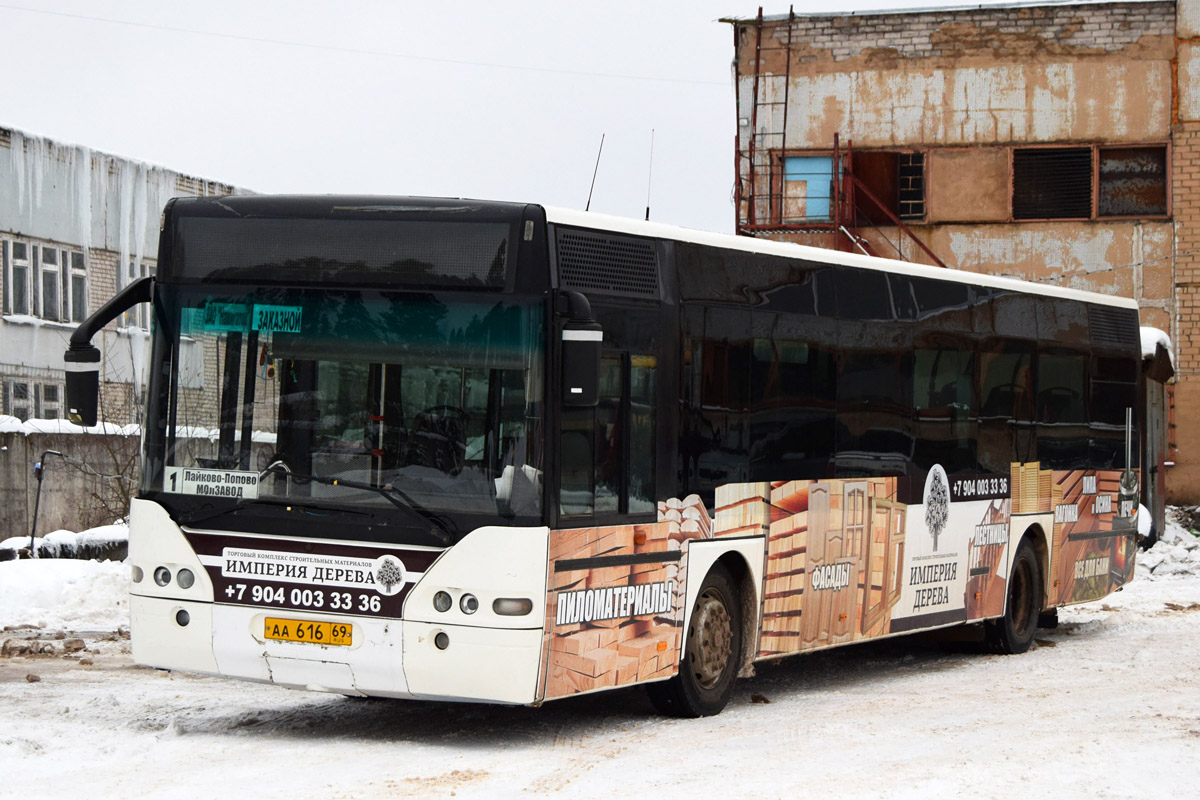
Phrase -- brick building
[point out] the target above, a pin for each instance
(75, 226)
(1051, 142)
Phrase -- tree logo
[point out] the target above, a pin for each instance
(937, 502)
(389, 575)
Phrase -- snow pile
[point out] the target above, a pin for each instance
(10, 424)
(1151, 339)
(1177, 552)
(106, 541)
(64, 593)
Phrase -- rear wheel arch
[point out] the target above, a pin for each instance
(1037, 539)
(1024, 598)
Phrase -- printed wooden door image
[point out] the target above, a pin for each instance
(896, 548)
(814, 617)
(883, 552)
(849, 549)
(837, 520)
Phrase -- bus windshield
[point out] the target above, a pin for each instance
(407, 403)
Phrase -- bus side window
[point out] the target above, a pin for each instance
(874, 380)
(642, 435)
(1062, 440)
(1006, 404)
(607, 452)
(1113, 389)
(577, 492)
(944, 404)
(591, 450)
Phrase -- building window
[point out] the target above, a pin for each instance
(886, 186)
(1132, 182)
(912, 186)
(75, 288)
(807, 189)
(44, 281)
(25, 400)
(894, 183)
(138, 316)
(17, 279)
(50, 270)
(17, 400)
(1089, 182)
(50, 406)
(1052, 183)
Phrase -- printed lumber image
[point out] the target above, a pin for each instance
(1095, 546)
(988, 562)
(612, 620)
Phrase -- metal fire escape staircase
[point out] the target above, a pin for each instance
(761, 195)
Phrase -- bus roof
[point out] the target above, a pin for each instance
(749, 244)
(370, 206)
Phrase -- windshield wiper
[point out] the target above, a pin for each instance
(209, 513)
(398, 498)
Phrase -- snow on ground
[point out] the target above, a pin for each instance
(64, 593)
(1104, 706)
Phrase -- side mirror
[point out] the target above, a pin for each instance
(582, 338)
(581, 363)
(82, 359)
(82, 384)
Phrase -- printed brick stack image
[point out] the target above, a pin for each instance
(613, 620)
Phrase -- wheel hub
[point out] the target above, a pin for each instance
(710, 639)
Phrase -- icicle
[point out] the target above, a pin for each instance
(37, 159)
(83, 196)
(140, 190)
(125, 186)
(16, 155)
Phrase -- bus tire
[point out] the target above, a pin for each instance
(1013, 632)
(711, 652)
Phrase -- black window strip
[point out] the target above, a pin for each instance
(599, 562)
(1088, 535)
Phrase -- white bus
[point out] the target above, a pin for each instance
(495, 452)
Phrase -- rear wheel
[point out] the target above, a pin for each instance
(711, 653)
(1013, 632)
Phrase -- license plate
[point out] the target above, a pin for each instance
(301, 630)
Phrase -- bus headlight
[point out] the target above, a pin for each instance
(162, 576)
(442, 601)
(136, 574)
(185, 578)
(469, 603)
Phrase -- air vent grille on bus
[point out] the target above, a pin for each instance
(1113, 327)
(608, 264)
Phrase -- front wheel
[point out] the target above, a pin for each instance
(711, 653)
(1013, 632)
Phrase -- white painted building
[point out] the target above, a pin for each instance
(75, 227)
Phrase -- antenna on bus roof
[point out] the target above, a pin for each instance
(588, 207)
(649, 174)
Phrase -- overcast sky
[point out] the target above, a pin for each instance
(498, 100)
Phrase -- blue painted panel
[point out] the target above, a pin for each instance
(817, 172)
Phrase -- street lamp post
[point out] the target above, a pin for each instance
(38, 472)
